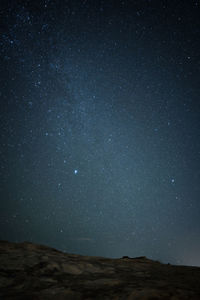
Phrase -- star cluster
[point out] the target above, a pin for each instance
(100, 146)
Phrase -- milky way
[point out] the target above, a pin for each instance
(100, 147)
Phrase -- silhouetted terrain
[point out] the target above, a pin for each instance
(29, 271)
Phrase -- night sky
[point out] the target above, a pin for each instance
(100, 127)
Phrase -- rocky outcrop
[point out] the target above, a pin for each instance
(29, 271)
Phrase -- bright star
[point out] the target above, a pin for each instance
(75, 172)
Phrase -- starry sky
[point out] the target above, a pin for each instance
(100, 126)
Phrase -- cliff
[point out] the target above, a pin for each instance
(30, 271)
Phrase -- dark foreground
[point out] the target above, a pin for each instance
(29, 271)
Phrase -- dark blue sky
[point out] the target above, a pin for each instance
(100, 123)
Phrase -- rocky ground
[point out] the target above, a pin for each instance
(29, 271)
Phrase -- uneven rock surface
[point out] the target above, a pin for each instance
(29, 271)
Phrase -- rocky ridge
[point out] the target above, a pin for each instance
(30, 271)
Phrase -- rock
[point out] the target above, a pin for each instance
(35, 272)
